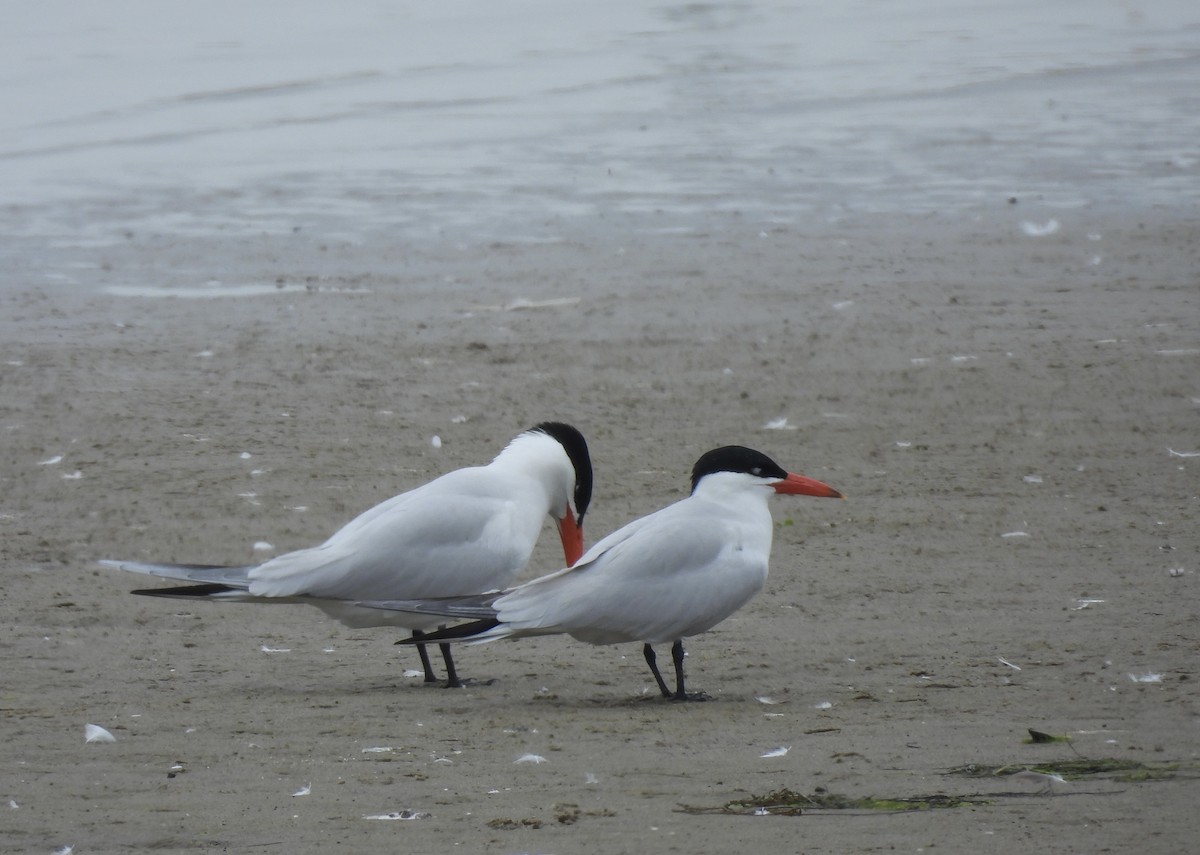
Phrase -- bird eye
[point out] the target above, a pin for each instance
(757, 470)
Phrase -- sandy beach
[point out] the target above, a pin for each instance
(1012, 415)
(255, 258)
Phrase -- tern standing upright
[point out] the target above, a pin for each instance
(468, 531)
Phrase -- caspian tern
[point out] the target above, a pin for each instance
(662, 578)
(468, 531)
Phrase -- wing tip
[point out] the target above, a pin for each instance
(188, 591)
(462, 632)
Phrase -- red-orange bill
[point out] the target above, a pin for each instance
(572, 538)
(799, 485)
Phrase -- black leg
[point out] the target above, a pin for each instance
(652, 661)
(680, 694)
(677, 658)
(430, 677)
(452, 681)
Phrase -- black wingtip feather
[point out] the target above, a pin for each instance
(462, 632)
(186, 591)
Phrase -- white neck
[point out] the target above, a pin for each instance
(540, 457)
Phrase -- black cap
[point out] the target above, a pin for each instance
(736, 458)
(575, 445)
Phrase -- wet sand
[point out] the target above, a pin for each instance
(1005, 412)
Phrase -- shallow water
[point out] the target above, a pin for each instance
(474, 119)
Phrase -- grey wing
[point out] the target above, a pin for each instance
(417, 546)
(675, 581)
